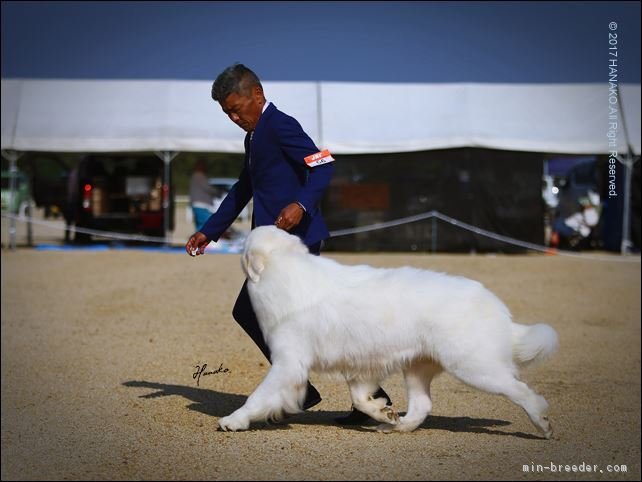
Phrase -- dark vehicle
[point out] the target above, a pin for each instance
(119, 193)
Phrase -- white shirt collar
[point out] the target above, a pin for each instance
(262, 112)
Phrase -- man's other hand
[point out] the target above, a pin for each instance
(289, 217)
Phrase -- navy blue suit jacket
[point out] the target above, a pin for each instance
(275, 174)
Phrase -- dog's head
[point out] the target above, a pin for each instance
(261, 243)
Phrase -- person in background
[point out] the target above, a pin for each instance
(201, 195)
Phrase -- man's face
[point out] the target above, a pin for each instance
(244, 111)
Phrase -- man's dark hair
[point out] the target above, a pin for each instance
(237, 79)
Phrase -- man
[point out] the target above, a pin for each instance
(285, 174)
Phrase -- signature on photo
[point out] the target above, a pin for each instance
(200, 370)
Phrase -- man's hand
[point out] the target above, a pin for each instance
(197, 244)
(290, 216)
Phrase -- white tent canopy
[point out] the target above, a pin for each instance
(154, 115)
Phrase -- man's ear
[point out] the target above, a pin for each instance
(257, 93)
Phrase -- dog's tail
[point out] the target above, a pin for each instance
(533, 343)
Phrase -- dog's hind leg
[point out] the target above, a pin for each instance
(362, 392)
(418, 377)
(500, 380)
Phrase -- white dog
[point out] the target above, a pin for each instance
(366, 323)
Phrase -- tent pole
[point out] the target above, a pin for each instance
(12, 157)
(625, 246)
(627, 161)
(167, 157)
(433, 240)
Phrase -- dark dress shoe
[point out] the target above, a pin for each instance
(357, 417)
(312, 397)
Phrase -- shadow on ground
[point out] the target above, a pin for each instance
(219, 404)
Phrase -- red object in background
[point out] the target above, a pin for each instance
(151, 220)
(86, 197)
(366, 196)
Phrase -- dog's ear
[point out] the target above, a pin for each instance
(253, 263)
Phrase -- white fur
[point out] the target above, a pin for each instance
(366, 323)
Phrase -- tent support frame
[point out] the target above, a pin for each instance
(166, 157)
(12, 157)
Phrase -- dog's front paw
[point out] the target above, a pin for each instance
(233, 423)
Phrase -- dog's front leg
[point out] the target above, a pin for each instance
(282, 391)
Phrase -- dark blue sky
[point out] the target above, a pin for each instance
(331, 41)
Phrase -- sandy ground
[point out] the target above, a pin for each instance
(99, 351)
